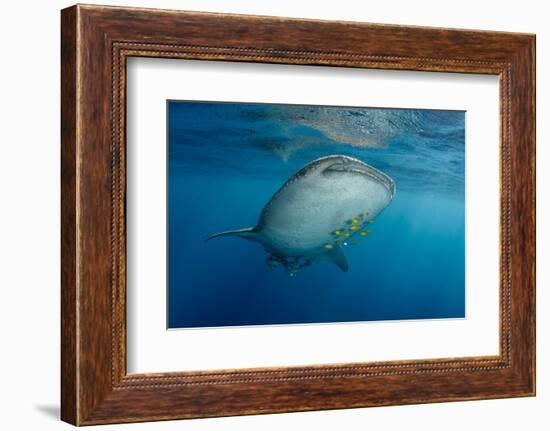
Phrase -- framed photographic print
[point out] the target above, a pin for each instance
(316, 215)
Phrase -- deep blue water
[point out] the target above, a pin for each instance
(225, 161)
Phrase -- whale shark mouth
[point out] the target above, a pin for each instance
(355, 166)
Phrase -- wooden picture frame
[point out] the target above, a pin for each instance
(96, 41)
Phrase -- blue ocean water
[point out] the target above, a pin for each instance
(225, 161)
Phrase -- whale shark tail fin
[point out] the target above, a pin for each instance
(336, 255)
(246, 233)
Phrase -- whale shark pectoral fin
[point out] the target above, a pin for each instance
(337, 256)
(246, 233)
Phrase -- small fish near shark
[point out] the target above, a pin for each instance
(330, 202)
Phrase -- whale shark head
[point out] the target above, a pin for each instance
(341, 169)
(327, 204)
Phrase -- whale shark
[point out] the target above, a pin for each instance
(329, 203)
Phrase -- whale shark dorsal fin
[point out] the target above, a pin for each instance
(337, 256)
(246, 233)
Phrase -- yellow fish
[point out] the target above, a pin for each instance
(337, 232)
(346, 234)
(355, 219)
(364, 233)
(329, 246)
(355, 227)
